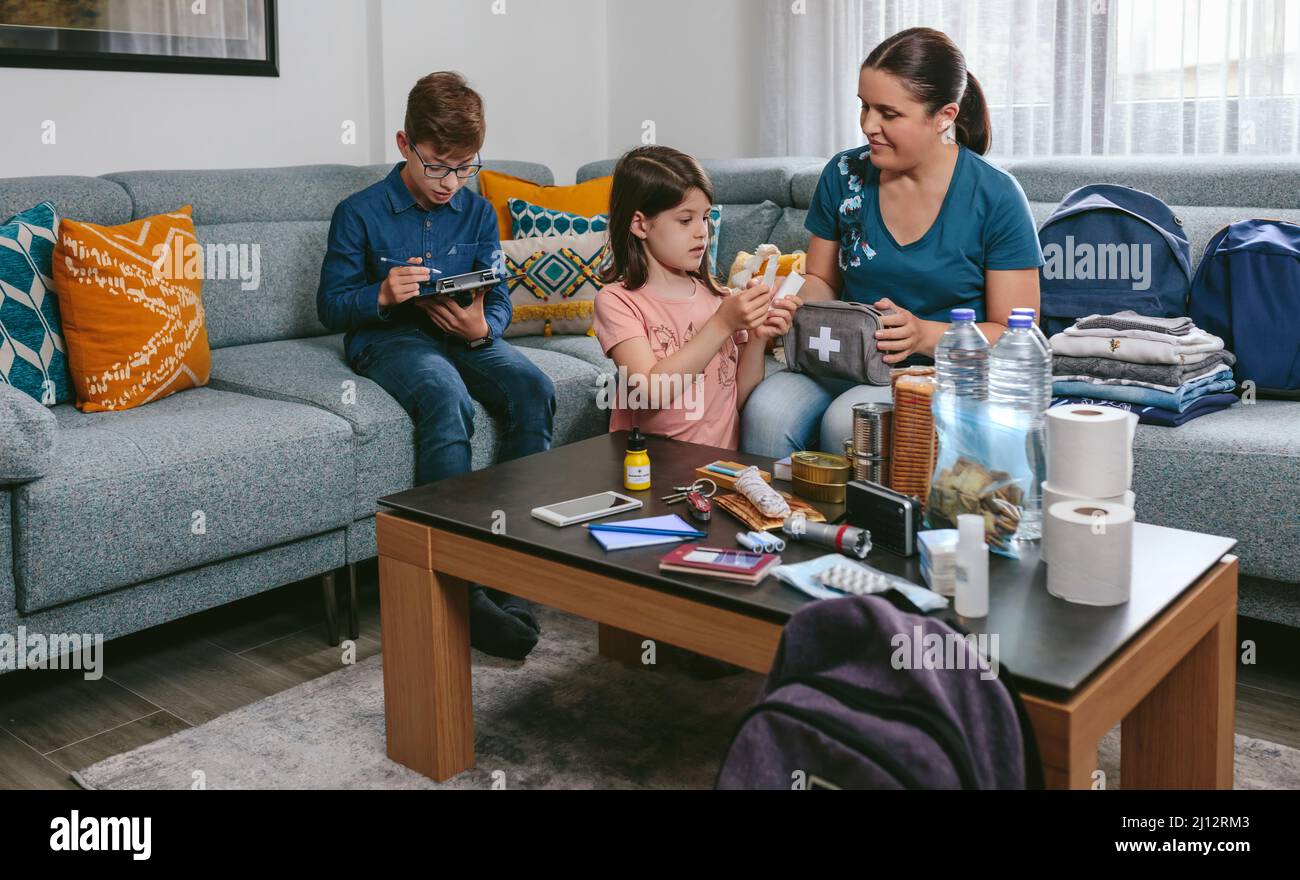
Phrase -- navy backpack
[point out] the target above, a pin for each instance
(838, 712)
(1247, 291)
(1107, 248)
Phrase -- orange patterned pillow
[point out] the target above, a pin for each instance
(132, 312)
(588, 198)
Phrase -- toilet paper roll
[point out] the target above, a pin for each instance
(1090, 449)
(1091, 545)
(1051, 495)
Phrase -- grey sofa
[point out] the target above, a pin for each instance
(286, 450)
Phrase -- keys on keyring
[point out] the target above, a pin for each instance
(699, 487)
(699, 506)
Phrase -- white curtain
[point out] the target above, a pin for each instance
(1062, 77)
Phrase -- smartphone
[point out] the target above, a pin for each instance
(566, 513)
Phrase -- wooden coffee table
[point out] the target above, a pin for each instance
(1163, 664)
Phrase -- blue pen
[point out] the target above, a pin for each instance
(634, 530)
(719, 469)
(408, 263)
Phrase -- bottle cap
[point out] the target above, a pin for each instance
(1024, 310)
(636, 440)
(1021, 322)
(962, 314)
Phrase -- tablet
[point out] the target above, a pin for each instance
(466, 282)
(566, 513)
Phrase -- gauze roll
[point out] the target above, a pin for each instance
(1090, 450)
(1091, 545)
(1051, 495)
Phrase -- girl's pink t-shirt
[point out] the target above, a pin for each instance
(706, 410)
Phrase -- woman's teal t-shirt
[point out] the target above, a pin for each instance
(984, 223)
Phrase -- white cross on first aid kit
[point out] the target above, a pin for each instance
(824, 344)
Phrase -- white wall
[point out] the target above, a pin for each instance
(564, 82)
(690, 66)
(540, 67)
(122, 121)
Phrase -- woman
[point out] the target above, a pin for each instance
(916, 222)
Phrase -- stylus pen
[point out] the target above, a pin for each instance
(635, 530)
(409, 263)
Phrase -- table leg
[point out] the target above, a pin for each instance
(428, 706)
(621, 645)
(1181, 735)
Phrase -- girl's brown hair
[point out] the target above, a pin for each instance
(649, 179)
(933, 69)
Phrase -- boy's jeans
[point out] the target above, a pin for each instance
(436, 380)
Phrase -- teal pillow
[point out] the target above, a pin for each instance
(33, 357)
(533, 221)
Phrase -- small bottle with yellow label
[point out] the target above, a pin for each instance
(636, 464)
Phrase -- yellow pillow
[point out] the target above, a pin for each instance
(132, 312)
(588, 199)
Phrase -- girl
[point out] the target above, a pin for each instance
(688, 351)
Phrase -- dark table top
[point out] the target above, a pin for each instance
(1049, 646)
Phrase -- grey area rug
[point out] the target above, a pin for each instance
(565, 718)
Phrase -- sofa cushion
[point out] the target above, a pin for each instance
(1207, 180)
(1235, 472)
(744, 228)
(200, 476)
(789, 234)
(313, 371)
(584, 348)
(32, 350)
(27, 432)
(133, 322)
(89, 199)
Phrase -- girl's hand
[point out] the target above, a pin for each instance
(778, 320)
(745, 310)
(901, 333)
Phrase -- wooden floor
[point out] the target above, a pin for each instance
(189, 672)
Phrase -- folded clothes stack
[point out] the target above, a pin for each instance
(1167, 370)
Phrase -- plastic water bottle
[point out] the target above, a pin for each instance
(1020, 374)
(961, 359)
(1043, 340)
(1038, 331)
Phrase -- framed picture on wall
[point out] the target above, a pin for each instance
(161, 36)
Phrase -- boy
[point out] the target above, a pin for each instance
(427, 352)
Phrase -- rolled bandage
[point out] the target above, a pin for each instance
(790, 286)
(749, 482)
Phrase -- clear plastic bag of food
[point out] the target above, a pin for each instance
(981, 469)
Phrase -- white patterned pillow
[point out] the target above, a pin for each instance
(561, 278)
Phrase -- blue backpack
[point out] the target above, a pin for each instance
(1107, 248)
(1249, 280)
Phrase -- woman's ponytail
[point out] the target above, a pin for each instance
(974, 131)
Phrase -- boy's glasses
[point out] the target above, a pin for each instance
(438, 172)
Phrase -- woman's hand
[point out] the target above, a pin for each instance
(778, 320)
(901, 334)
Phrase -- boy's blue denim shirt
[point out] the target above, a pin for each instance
(383, 220)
